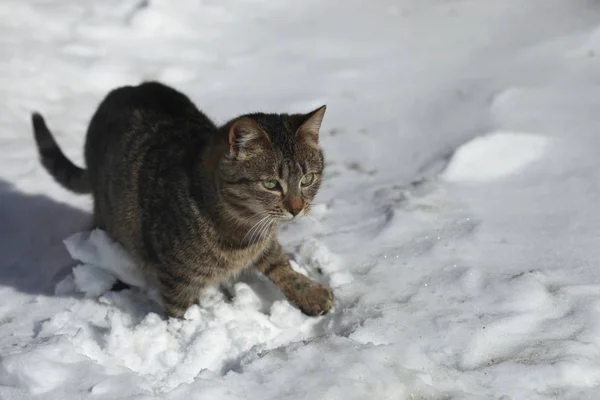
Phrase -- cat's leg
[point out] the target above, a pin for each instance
(178, 293)
(311, 297)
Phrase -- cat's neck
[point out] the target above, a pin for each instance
(241, 231)
(240, 236)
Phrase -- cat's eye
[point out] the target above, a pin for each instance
(270, 184)
(307, 179)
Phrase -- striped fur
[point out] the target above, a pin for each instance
(189, 200)
(56, 163)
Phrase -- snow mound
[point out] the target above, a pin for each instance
(212, 338)
(104, 262)
(494, 156)
(317, 257)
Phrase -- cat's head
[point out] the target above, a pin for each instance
(273, 165)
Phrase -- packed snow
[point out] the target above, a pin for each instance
(458, 223)
(493, 156)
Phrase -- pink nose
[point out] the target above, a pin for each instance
(295, 206)
(295, 211)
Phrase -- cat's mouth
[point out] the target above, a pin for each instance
(287, 217)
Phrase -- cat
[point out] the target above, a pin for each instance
(193, 203)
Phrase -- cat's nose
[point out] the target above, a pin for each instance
(295, 206)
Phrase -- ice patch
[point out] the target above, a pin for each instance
(494, 156)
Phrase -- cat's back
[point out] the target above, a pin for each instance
(136, 148)
(155, 99)
(152, 101)
(149, 114)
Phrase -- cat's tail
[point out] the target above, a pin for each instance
(54, 160)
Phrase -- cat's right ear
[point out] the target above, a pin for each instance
(309, 130)
(244, 136)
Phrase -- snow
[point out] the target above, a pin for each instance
(458, 222)
(103, 263)
(211, 337)
(493, 156)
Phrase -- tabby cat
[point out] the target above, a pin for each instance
(194, 203)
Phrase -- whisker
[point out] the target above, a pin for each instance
(238, 222)
(256, 236)
(266, 228)
(257, 233)
(254, 227)
(251, 217)
(273, 224)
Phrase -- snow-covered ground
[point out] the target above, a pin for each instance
(459, 224)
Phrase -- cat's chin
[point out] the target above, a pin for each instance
(286, 218)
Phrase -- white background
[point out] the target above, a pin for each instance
(461, 269)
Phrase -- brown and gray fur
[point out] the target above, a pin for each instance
(186, 198)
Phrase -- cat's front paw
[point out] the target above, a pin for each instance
(315, 299)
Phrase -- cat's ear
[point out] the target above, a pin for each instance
(245, 135)
(309, 130)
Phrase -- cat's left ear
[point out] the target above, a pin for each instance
(309, 130)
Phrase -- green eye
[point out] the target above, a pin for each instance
(307, 179)
(270, 184)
